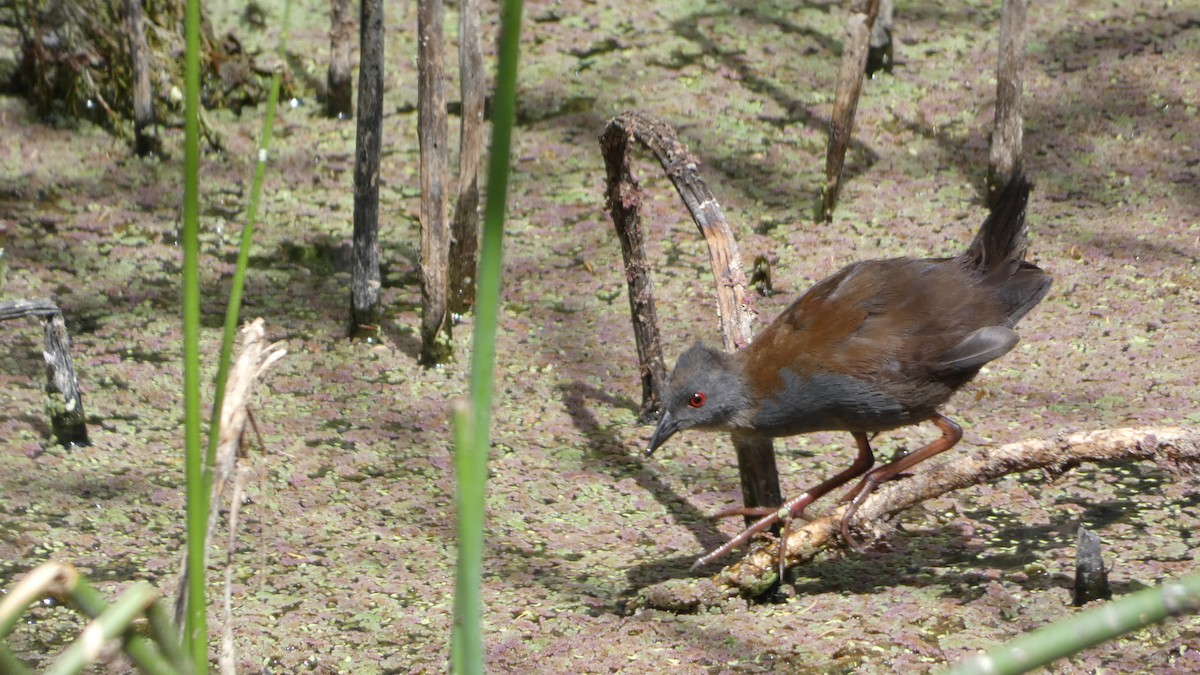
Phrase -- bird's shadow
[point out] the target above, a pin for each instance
(607, 450)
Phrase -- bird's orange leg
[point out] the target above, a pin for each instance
(793, 507)
(951, 434)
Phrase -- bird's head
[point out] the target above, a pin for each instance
(707, 390)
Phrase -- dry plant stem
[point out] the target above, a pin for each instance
(227, 659)
(233, 462)
(1007, 136)
(52, 579)
(1172, 448)
(255, 358)
(845, 103)
(756, 455)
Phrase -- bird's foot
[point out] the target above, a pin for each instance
(951, 433)
(768, 517)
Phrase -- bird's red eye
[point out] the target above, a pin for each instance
(697, 399)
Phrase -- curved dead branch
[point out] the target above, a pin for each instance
(755, 454)
(1174, 449)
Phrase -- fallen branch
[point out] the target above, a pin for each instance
(1174, 449)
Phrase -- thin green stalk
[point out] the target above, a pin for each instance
(10, 664)
(143, 651)
(472, 426)
(157, 653)
(165, 634)
(196, 630)
(234, 308)
(195, 626)
(114, 621)
(1086, 629)
(464, 649)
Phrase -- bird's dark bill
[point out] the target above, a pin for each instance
(667, 426)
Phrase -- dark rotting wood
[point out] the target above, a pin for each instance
(65, 402)
(882, 52)
(339, 81)
(756, 457)
(1091, 576)
(18, 308)
(365, 304)
(624, 203)
(145, 140)
(758, 472)
(464, 242)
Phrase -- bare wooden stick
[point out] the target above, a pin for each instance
(1172, 448)
(756, 456)
(1008, 133)
(14, 309)
(733, 309)
(365, 304)
(339, 85)
(881, 55)
(68, 421)
(624, 204)
(145, 140)
(758, 471)
(435, 230)
(845, 102)
(464, 245)
(67, 417)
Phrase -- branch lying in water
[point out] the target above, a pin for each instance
(1172, 448)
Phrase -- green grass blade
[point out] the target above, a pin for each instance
(195, 633)
(1086, 629)
(116, 619)
(234, 308)
(199, 476)
(472, 424)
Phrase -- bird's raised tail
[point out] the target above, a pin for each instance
(998, 252)
(1000, 243)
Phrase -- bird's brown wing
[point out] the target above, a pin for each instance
(882, 320)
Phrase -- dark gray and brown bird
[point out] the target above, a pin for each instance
(879, 345)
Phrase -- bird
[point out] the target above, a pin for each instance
(878, 345)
